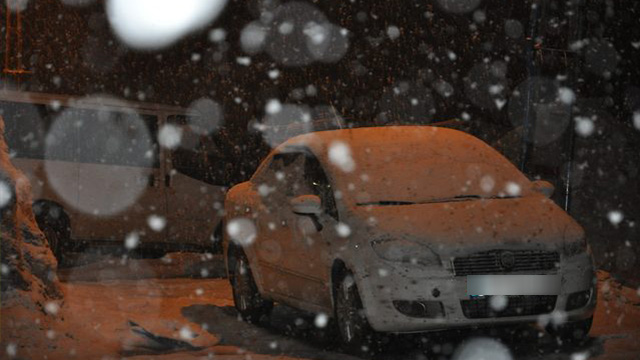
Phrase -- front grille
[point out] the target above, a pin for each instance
(492, 262)
(517, 305)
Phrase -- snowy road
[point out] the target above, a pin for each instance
(204, 307)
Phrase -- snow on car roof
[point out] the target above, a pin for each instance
(398, 136)
(411, 163)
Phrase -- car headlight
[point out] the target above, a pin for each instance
(405, 251)
(574, 247)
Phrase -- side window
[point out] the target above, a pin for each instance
(26, 126)
(294, 175)
(315, 176)
(198, 155)
(114, 138)
(269, 176)
(271, 184)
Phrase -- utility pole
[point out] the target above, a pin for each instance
(13, 55)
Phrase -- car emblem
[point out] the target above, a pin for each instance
(507, 260)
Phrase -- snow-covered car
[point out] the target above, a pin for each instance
(405, 229)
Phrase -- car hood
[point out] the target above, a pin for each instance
(460, 227)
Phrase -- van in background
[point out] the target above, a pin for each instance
(100, 176)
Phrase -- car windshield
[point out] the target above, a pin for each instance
(427, 169)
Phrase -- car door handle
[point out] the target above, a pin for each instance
(152, 180)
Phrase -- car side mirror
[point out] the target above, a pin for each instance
(307, 205)
(543, 187)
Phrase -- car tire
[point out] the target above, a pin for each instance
(54, 238)
(572, 332)
(352, 325)
(55, 230)
(216, 239)
(250, 304)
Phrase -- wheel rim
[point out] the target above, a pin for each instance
(53, 240)
(345, 315)
(243, 285)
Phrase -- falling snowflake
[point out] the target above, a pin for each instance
(615, 217)
(393, 32)
(513, 189)
(243, 60)
(498, 302)
(340, 155)
(253, 38)
(170, 136)
(156, 223)
(154, 24)
(242, 231)
(132, 241)
(274, 74)
(317, 33)
(566, 95)
(286, 28)
(482, 348)
(343, 230)
(584, 126)
(583, 355)
(321, 320)
(52, 308)
(12, 350)
(487, 183)
(265, 190)
(186, 333)
(217, 35)
(274, 106)
(5, 194)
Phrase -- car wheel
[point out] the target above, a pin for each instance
(248, 301)
(216, 239)
(572, 332)
(353, 328)
(54, 238)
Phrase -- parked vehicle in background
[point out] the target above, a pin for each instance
(99, 174)
(405, 229)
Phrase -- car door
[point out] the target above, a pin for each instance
(273, 231)
(307, 266)
(119, 176)
(194, 189)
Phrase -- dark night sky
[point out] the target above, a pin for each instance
(72, 50)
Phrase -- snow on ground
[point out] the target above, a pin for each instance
(96, 320)
(92, 266)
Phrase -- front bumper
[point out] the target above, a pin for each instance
(388, 290)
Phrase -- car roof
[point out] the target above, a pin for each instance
(405, 135)
(87, 102)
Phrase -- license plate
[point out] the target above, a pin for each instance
(479, 285)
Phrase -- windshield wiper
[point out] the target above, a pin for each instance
(386, 203)
(469, 197)
(435, 201)
(397, 202)
(453, 198)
